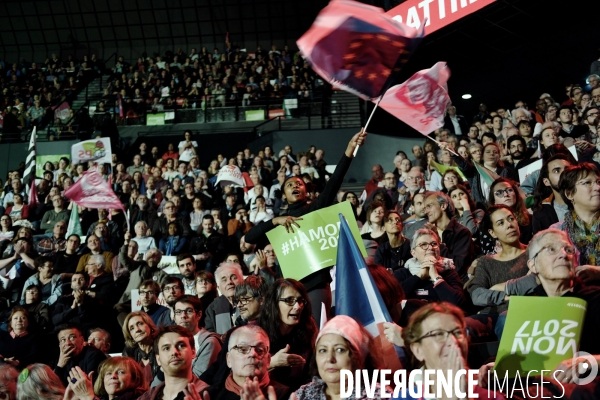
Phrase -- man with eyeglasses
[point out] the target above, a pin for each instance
(249, 298)
(390, 184)
(415, 183)
(188, 312)
(174, 348)
(172, 289)
(222, 313)
(74, 353)
(57, 242)
(248, 358)
(457, 238)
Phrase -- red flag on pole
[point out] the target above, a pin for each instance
(93, 191)
(422, 100)
(358, 48)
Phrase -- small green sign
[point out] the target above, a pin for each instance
(155, 119)
(313, 246)
(255, 115)
(539, 334)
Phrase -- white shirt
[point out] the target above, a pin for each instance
(457, 129)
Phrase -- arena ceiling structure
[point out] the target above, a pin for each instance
(511, 49)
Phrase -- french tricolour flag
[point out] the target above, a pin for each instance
(357, 296)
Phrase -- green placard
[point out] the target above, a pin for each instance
(539, 334)
(41, 160)
(155, 119)
(255, 115)
(313, 246)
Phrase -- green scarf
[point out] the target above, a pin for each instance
(585, 237)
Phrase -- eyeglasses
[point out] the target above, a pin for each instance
(414, 178)
(243, 300)
(451, 178)
(290, 301)
(245, 349)
(504, 192)
(203, 282)
(147, 293)
(442, 335)
(188, 311)
(589, 183)
(425, 245)
(171, 289)
(553, 250)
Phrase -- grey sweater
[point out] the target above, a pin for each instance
(490, 272)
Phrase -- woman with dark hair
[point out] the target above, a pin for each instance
(342, 344)
(39, 312)
(465, 211)
(6, 230)
(506, 192)
(286, 316)
(373, 228)
(580, 189)
(295, 193)
(356, 206)
(18, 210)
(451, 178)
(139, 332)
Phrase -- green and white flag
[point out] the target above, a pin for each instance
(74, 226)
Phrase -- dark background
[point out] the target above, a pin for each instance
(510, 50)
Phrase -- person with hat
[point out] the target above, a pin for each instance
(342, 344)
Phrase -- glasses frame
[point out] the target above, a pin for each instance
(259, 350)
(458, 333)
(433, 245)
(298, 300)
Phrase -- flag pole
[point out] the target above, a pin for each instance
(369, 120)
(444, 147)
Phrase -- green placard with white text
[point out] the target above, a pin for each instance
(313, 246)
(155, 119)
(539, 334)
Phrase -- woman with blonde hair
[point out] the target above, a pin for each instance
(39, 382)
(139, 332)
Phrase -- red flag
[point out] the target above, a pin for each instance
(32, 201)
(422, 100)
(358, 48)
(121, 112)
(93, 191)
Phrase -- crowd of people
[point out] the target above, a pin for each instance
(202, 79)
(448, 246)
(31, 91)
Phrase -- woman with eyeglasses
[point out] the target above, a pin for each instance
(139, 332)
(342, 344)
(356, 206)
(488, 284)
(18, 346)
(465, 210)
(506, 192)
(428, 276)
(435, 339)
(451, 178)
(286, 316)
(579, 187)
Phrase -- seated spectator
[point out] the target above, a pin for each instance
(136, 167)
(19, 346)
(58, 213)
(161, 229)
(428, 276)
(373, 231)
(286, 316)
(393, 253)
(142, 211)
(261, 213)
(465, 210)
(579, 187)
(248, 359)
(94, 245)
(6, 230)
(197, 213)
(174, 243)
(66, 261)
(222, 312)
(139, 332)
(74, 353)
(119, 378)
(144, 242)
(40, 319)
(208, 247)
(179, 378)
(188, 312)
(48, 283)
(415, 184)
(206, 288)
(172, 289)
(8, 381)
(506, 192)
(187, 269)
(18, 211)
(440, 212)
(341, 344)
(41, 381)
(51, 245)
(549, 206)
(356, 206)
(100, 339)
(249, 298)
(9, 197)
(450, 178)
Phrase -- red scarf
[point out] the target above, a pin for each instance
(232, 386)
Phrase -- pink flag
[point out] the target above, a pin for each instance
(93, 191)
(422, 100)
(62, 111)
(32, 201)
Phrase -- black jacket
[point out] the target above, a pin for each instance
(459, 242)
(392, 258)
(462, 122)
(326, 198)
(160, 228)
(88, 360)
(214, 244)
(544, 217)
(450, 289)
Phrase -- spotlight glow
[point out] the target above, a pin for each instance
(466, 96)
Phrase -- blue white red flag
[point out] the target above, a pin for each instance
(357, 48)
(422, 100)
(357, 296)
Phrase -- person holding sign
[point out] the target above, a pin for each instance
(294, 192)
